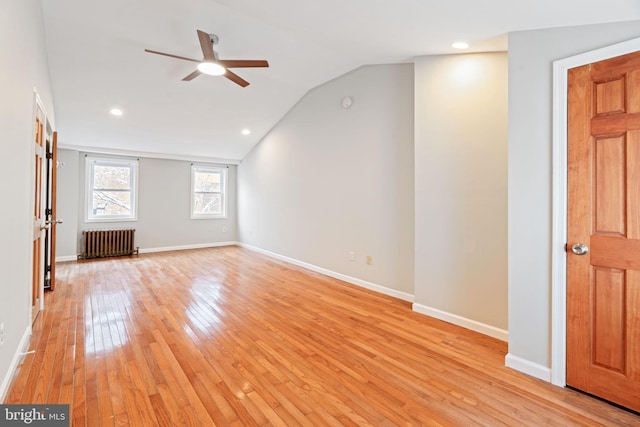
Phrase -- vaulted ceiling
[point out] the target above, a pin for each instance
(97, 59)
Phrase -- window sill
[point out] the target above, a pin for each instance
(209, 217)
(94, 220)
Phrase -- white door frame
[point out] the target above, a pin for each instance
(559, 202)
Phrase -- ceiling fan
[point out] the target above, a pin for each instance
(213, 66)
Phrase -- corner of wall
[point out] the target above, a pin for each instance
(528, 367)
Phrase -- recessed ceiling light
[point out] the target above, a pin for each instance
(211, 68)
(116, 111)
(246, 132)
(460, 45)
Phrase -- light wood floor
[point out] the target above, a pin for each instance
(226, 336)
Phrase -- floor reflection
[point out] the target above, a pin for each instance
(105, 330)
(206, 311)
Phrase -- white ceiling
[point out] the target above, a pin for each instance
(97, 59)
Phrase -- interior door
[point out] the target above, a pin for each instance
(603, 250)
(37, 267)
(51, 217)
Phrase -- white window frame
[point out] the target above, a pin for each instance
(132, 164)
(223, 175)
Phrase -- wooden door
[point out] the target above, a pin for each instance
(37, 266)
(603, 284)
(51, 216)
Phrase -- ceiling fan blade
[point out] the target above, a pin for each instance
(242, 63)
(192, 76)
(236, 78)
(172, 56)
(207, 46)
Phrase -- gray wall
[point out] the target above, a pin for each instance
(531, 54)
(23, 67)
(328, 180)
(67, 203)
(164, 199)
(461, 187)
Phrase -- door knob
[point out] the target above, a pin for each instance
(55, 221)
(580, 249)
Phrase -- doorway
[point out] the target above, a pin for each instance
(44, 172)
(560, 226)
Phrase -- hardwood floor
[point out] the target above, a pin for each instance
(226, 336)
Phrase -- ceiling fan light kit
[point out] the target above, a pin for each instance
(213, 66)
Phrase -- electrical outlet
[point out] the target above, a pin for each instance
(352, 256)
(1, 334)
(369, 259)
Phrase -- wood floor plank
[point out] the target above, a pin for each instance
(228, 337)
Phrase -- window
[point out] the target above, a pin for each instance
(208, 192)
(111, 189)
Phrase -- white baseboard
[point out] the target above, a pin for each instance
(164, 249)
(483, 328)
(13, 366)
(182, 248)
(528, 367)
(353, 280)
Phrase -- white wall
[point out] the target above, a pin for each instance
(163, 207)
(461, 189)
(23, 66)
(328, 180)
(531, 54)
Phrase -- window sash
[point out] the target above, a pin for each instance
(129, 203)
(199, 195)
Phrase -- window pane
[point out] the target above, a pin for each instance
(207, 203)
(111, 177)
(208, 187)
(111, 203)
(207, 181)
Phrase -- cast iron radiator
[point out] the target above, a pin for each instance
(106, 243)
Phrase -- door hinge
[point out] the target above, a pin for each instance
(48, 212)
(49, 155)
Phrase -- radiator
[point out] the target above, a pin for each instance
(106, 243)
